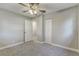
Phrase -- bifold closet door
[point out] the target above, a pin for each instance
(28, 30)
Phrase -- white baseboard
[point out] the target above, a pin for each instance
(68, 48)
(12, 45)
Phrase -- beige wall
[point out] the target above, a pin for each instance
(11, 28)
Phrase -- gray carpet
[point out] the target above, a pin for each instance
(36, 49)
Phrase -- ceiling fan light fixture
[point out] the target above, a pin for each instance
(35, 12)
(33, 8)
(31, 12)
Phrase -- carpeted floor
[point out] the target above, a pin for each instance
(36, 49)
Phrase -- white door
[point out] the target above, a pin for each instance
(28, 30)
(48, 30)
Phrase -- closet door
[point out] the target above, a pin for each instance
(48, 30)
(28, 30)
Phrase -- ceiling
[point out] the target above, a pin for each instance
(49, 7)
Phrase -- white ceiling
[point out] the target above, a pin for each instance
(50, 7)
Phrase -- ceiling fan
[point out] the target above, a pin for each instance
(32, 8)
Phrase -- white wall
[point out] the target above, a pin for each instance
(11, 28)
(61, 28)
(64, 28)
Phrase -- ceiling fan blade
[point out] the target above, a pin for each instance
(43, 11)
(22, 4)
(25, 11)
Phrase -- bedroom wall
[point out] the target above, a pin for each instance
(11, 28)
(61, 27)
(64, 28)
